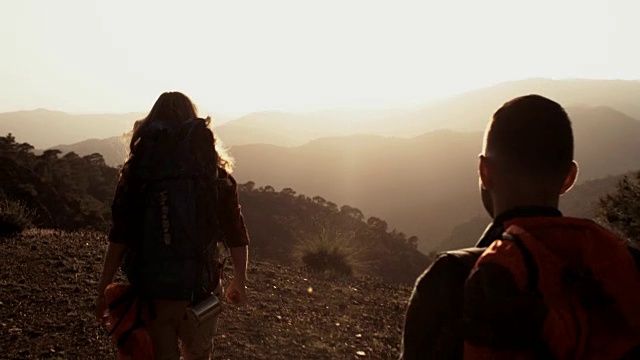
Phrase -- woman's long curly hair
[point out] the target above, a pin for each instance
(176, 107)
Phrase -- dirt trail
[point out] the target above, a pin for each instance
(47, 286)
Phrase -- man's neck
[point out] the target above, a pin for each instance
(496, 228)
(501, 207)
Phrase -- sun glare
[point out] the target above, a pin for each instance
(242, 56)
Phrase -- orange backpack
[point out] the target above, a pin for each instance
(126, 314)
(553, 288)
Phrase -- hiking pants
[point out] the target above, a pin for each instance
(172, 332)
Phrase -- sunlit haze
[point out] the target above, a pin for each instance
(236, 57)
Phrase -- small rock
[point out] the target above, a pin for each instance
(359, 336)
(361, 353)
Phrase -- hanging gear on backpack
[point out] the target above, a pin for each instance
(127, 312)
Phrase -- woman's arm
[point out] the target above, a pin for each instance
(236, 292)
(112, 261)
(236, 238)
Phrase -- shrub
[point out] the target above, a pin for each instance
(15, 217)
(620, 210)
(331, 252)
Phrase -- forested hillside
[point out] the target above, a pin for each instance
(65, 192)
(284, 226)
(425, 185)
(72, 192)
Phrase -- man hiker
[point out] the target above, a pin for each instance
(537, 285)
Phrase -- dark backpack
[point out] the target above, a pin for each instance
(176, 221)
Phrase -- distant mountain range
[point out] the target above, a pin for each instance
(424, 185)
(45, 128)
(472, 110)
(464, 112)
(114, 149)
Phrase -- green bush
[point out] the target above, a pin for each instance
(331, 252)
(15, 217)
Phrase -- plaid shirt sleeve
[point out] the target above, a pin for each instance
(230, 216)
(123, 211)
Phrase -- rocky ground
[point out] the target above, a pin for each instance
(47, 287)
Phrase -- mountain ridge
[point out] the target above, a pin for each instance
(425, 185)
(467, 111)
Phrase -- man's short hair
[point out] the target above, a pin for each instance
(531, 135)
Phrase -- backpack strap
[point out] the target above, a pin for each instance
(541, 349)
(635, 254)
(467, 257)
(530, 264)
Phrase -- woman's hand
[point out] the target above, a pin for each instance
(101, 309)
(236, 292)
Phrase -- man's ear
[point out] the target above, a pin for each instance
(484, 173)
(572, 176)
(484, 185)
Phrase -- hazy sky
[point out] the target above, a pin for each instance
(236, 56)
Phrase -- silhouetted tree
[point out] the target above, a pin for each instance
(319, 200)
(248, 186)
(621, 210)
(288, 192)
(377, 223)
(352, 212)
(333, 207)
(413, 241)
